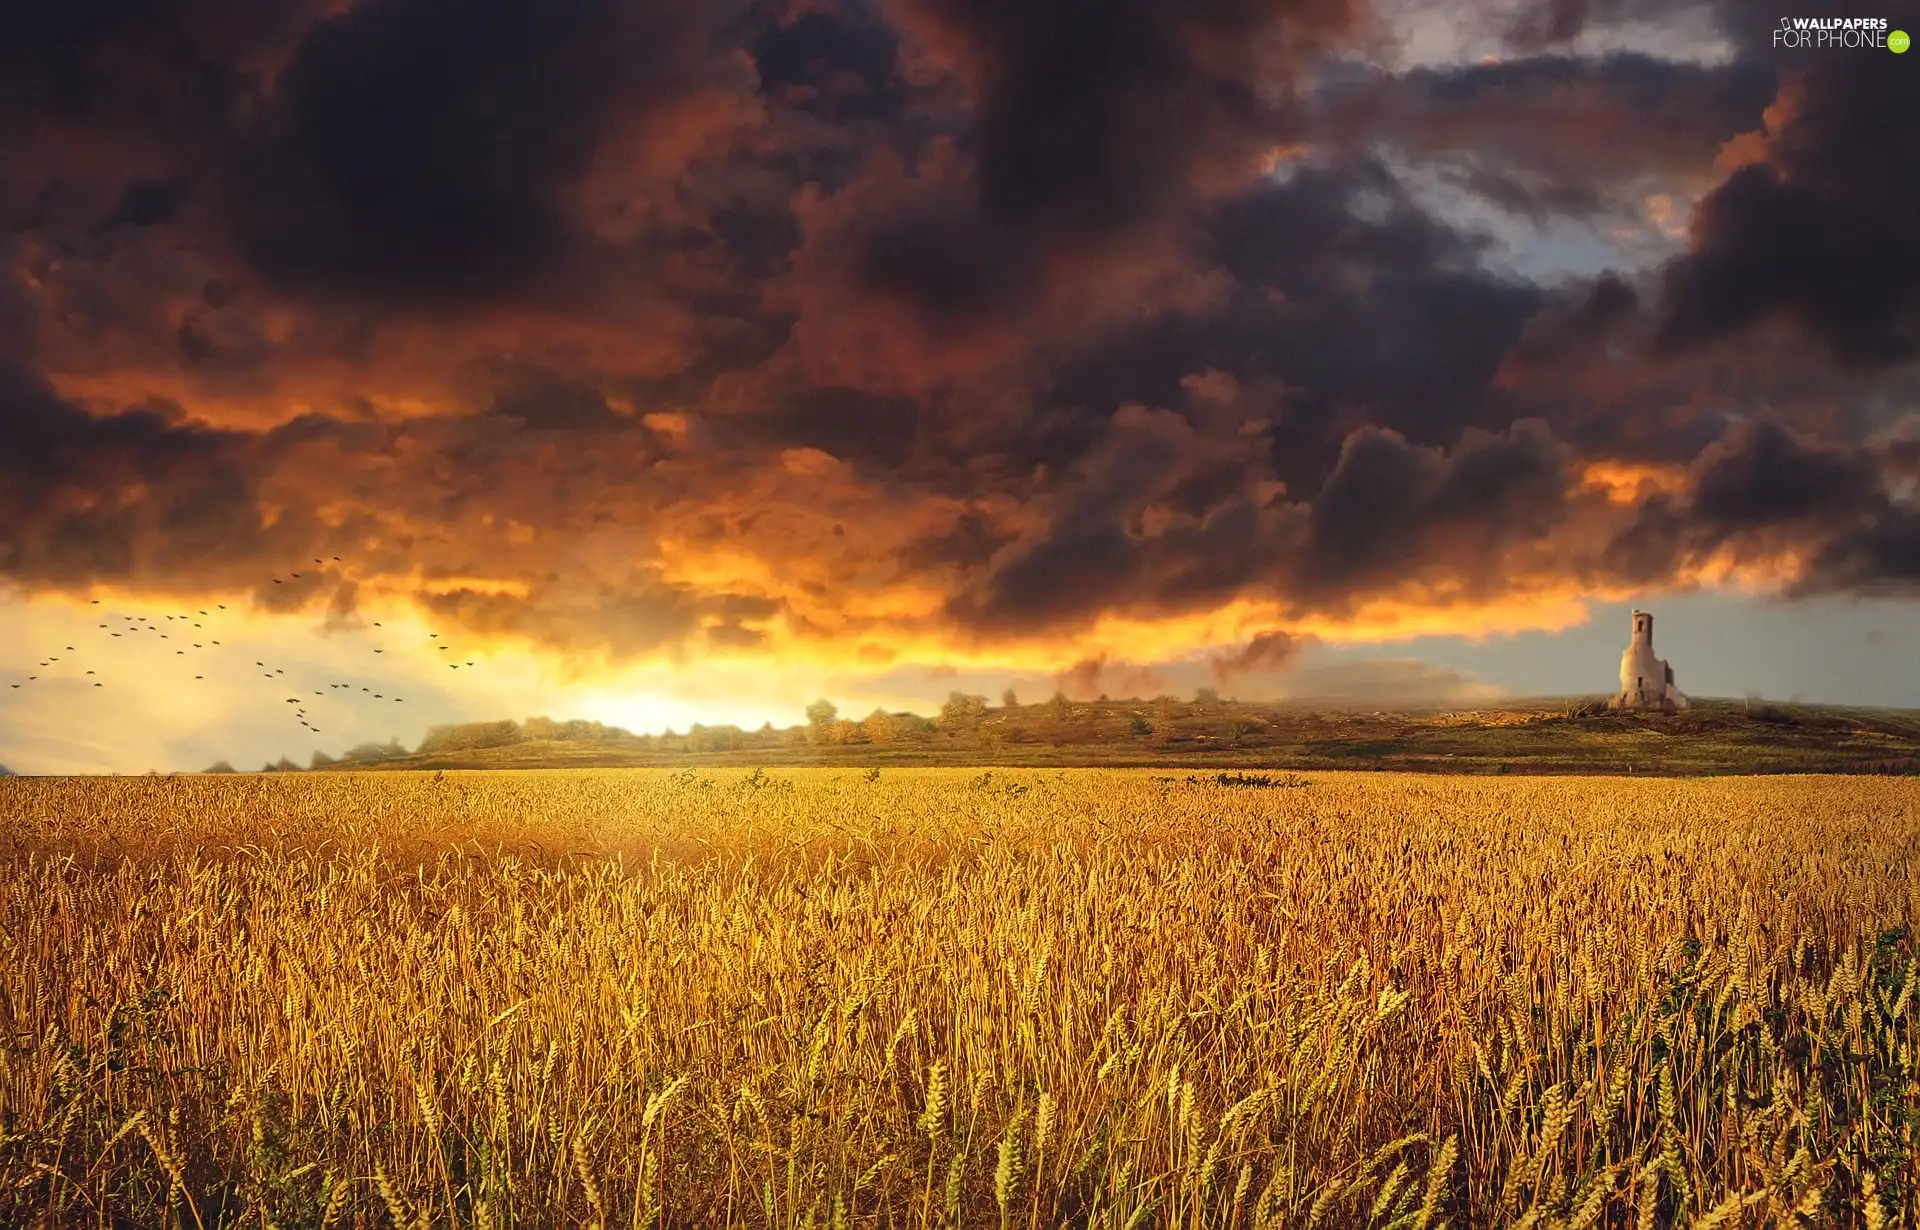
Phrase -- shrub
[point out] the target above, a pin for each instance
(466, 736)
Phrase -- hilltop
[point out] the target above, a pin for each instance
(1562, 735)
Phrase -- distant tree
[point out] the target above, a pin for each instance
(1008, 700)
(1140, 725)
(1206, 696)
(368, 753)
(821, 711)
(880, 727)
(218, 766)
(466, 736)
(1059, 707)
(6, 772)
(962, 709)
(715, 738)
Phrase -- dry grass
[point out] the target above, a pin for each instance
(942, 997)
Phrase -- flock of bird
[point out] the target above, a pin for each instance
(193, 641)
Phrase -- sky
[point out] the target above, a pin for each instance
(677, 361)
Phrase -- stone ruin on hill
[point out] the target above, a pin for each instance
(1646, 682)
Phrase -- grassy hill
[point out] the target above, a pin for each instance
(1543, 736)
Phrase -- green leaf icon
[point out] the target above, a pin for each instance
(1898, 42)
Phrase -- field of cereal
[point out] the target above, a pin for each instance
(954, 997)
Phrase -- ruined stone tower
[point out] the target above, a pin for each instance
(1646, 682)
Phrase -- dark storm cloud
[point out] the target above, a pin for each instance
(1394, 509)
(1390, 311)
(1387, 320)
(547, 400)
(851, 424)
(1091, 311)
(171, 70)
(1088, 120)
(1762, 486)
(1265, 654)
(147, 497)
(1084, 125)
(1117, 538)
(838, 63)
(1760, 475)
(415, 149)
(116, 497)
(968, 544)
(146, 202)
(1881, 557)
(1821, 233)
(952, 265)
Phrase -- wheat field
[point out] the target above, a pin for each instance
(948, 997)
